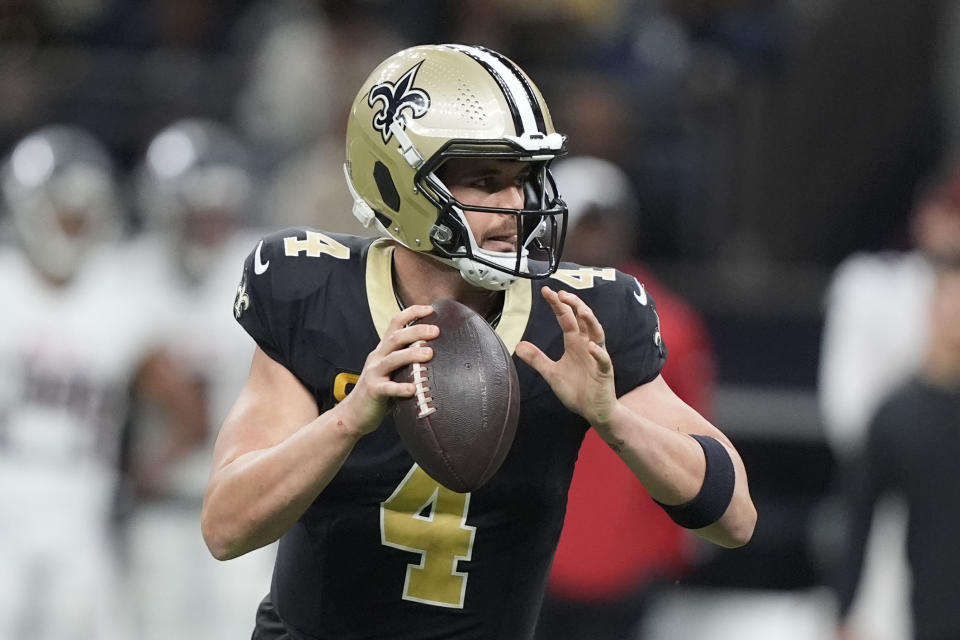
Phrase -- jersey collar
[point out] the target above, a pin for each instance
(382, 298)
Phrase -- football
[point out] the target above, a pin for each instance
(460, 424)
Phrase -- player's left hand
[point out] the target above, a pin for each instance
(583, 377)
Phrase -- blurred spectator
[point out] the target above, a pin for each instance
(195, 189)
(302, 66)
(875, 329)
(75, 339)
(288, 96)
(875, 337)
(912, 448)
(617, 545)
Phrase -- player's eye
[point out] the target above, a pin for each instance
(485, 183)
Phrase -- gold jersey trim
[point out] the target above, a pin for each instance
(382, 298)
(380, 295)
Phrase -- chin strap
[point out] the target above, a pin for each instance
(407, 148)
(484, 275)
(361, 210)
(481, 275)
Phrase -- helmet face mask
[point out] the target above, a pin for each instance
(428, 105)
(540, 225)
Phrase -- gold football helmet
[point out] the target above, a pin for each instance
(427, 104)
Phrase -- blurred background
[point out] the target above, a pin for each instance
(763, 144)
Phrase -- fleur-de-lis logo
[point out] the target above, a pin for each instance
(657, 337)
(242, 301)
(395, 100)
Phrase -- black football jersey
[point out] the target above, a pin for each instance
(385, 551)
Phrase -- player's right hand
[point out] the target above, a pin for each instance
(370, 398)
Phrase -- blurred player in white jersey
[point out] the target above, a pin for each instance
(75, 341)
(194, 189)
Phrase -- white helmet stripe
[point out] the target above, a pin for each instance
(515, 92)
(541, 126)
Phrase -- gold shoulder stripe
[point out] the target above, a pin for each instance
(517, 304)
(383, 301)
(380, 295)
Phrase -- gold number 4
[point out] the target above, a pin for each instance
(583, 278)
(315, 245)
(424, 517)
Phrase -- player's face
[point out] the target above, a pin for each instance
(73, 222)
(946, 310)
(488, 183)
(937, 228)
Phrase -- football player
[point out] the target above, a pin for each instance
(76, 335)
(195, 189)
(448, 154)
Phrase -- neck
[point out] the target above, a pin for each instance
(942, 368)
(420, 279)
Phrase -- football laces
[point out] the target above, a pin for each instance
(422, 382)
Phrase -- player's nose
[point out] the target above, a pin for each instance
(510, 197)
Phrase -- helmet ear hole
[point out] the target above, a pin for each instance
(384, 220)
(388, 190)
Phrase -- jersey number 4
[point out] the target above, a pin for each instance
(426, 518)
(314, 245)
(583, 277)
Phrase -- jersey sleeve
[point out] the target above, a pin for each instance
(266, 305)
(632, 330)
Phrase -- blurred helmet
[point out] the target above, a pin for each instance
(604, 210)
(427, 104)
(60, 191)
(592, 184)
(195, 183)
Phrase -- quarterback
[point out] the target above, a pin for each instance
(448, 158)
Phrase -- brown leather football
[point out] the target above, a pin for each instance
(460, 425)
